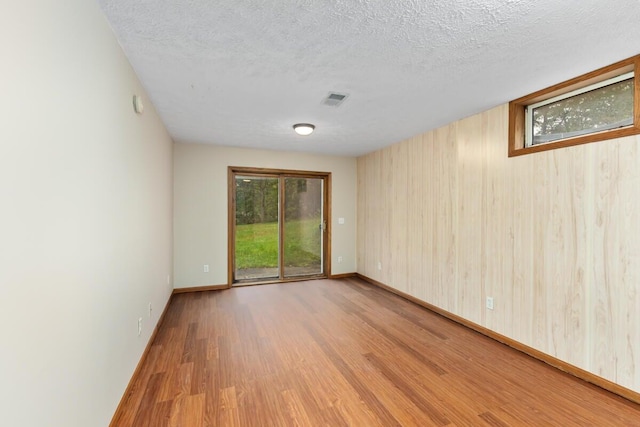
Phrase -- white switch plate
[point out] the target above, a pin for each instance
(339, 259)
(340, 221)
(139, 325)
(206, 268)
(379, 265)
(490, 303)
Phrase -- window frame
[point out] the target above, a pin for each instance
(518, 127)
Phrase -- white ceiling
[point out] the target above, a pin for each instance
(242, 72)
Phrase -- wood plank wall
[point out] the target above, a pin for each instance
(553, 237)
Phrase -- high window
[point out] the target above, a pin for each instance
(597, 106)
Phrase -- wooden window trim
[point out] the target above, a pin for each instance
(517, 109)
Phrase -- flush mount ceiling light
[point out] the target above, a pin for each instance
(303, 128)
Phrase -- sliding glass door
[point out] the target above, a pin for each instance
(303, 226)
(257, 234)
(278, 226)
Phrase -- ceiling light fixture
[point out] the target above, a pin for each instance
(303, 128)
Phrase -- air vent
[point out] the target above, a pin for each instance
(335, 99)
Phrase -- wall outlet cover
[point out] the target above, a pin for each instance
(490, 303)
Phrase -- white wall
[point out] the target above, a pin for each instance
(200, 209)
(85, 217)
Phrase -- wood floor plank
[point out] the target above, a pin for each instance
(144, 414)
(345, 353)
(187, 411)
(296, 408)
(160, 415)
(189, 343)
(176, 383)
(430, 410)
(401, 345)
(228, 408)
(137, 392)
(492, 420)
(366, 394)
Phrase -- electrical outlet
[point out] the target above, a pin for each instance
(139, 325)
(490, 303)
(339, 259)
(379, 265)
(206, 268)
(150, 309)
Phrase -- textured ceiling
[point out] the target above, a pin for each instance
(242, 72)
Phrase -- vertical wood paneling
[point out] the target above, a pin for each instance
(520, 307)
(415, 217)
(444, 280)
(540, 290)
(385, 206)
(550, 236)
(372, 230)
(558, 217)
(371, 213)
(497, 224)
(471, 182)
(428, 235)
(396, 269)
(616, 251)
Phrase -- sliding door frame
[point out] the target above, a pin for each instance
(232, 171)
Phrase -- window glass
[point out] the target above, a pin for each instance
(608, 105)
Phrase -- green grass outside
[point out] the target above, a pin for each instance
(257, 244)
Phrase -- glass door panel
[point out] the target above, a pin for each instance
(303, 226)
(257, 232)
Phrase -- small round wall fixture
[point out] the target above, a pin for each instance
(303, 128)
(138, 106)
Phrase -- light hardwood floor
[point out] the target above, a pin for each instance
(345, 353)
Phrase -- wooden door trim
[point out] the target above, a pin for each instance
(232, 171)
(231, 229)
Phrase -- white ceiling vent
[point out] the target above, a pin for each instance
(335, 99)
